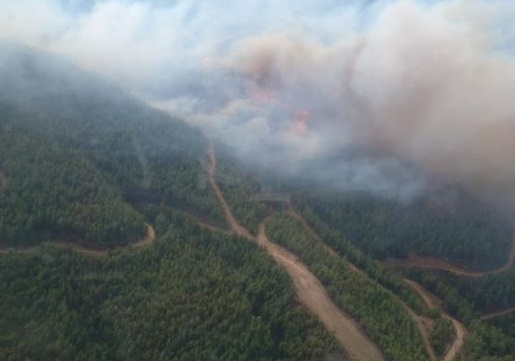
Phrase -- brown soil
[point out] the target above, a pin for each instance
(421, 322)
(298, 217)
(233, 223)
(431, 301)
(148, 240)
(493, 315)
(205, 223)
(314, 296)
(309, 289)
(416, 260)
(460, 330)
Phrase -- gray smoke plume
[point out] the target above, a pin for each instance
(369, 91)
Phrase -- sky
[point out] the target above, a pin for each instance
(371, 90)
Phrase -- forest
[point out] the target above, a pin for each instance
(87, 172)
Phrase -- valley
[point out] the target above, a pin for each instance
(127, 234)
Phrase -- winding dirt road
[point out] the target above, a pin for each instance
(148, 240)
(233, 223)
(416, 260)
(490, 316)
(419, 321)
(460, 330)
(309, 289)
(430, 299)
(314, 296)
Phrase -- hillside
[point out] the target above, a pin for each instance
(125, 234)
(79, 157)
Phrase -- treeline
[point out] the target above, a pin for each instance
(82, 157)
(194, 295)
(442, 335)
(339, 242)
(242, 190)
(501, 343)
(486, 341)
(55, 194)
(456, 228)
(489, 293)
(380, 315)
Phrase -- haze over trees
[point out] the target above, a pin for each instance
(83, 164)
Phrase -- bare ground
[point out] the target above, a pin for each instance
(314, 296)
(233, 223)
(493, 315)
(460, 330)
(420, 322)
(430, 299)
(147, 241)
(206, 224)
(309, 289)
(416, 260)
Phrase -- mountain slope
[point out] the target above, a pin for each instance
(80, 156)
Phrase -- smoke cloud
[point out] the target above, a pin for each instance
(374, 93)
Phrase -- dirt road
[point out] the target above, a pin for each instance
(298, 217)
(309, 289)
(460, 330)
(148, 240)
(314, 296)
(493, 315)
(419, 321)
(416, 260)
(430, 300)
(233, 223)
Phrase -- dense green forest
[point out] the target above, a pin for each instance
(81, 157)
(486, 341)
(82, 162)
(380, 314)
(450, 226)
(195, 295)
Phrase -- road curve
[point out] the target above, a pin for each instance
(493, 315)
(146, 241)
(417, 319)
(233, 223)
(416, 260)
(432, 301)
(309, 289)
(314, 296)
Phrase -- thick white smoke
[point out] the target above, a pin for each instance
(364, 86)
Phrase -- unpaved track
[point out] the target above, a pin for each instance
(415, 260)
(461, 331)
(204, 224)
(419, 321)
(233, 223)
(148, 240)
(314, 296)
(309, 289)
(430, 300)
(493, 315)
(295, 214)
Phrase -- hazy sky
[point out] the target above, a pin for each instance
(419, 82)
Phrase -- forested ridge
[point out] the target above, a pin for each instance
(84, 164)
(81, 157)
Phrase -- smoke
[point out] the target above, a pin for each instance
(373, 93)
